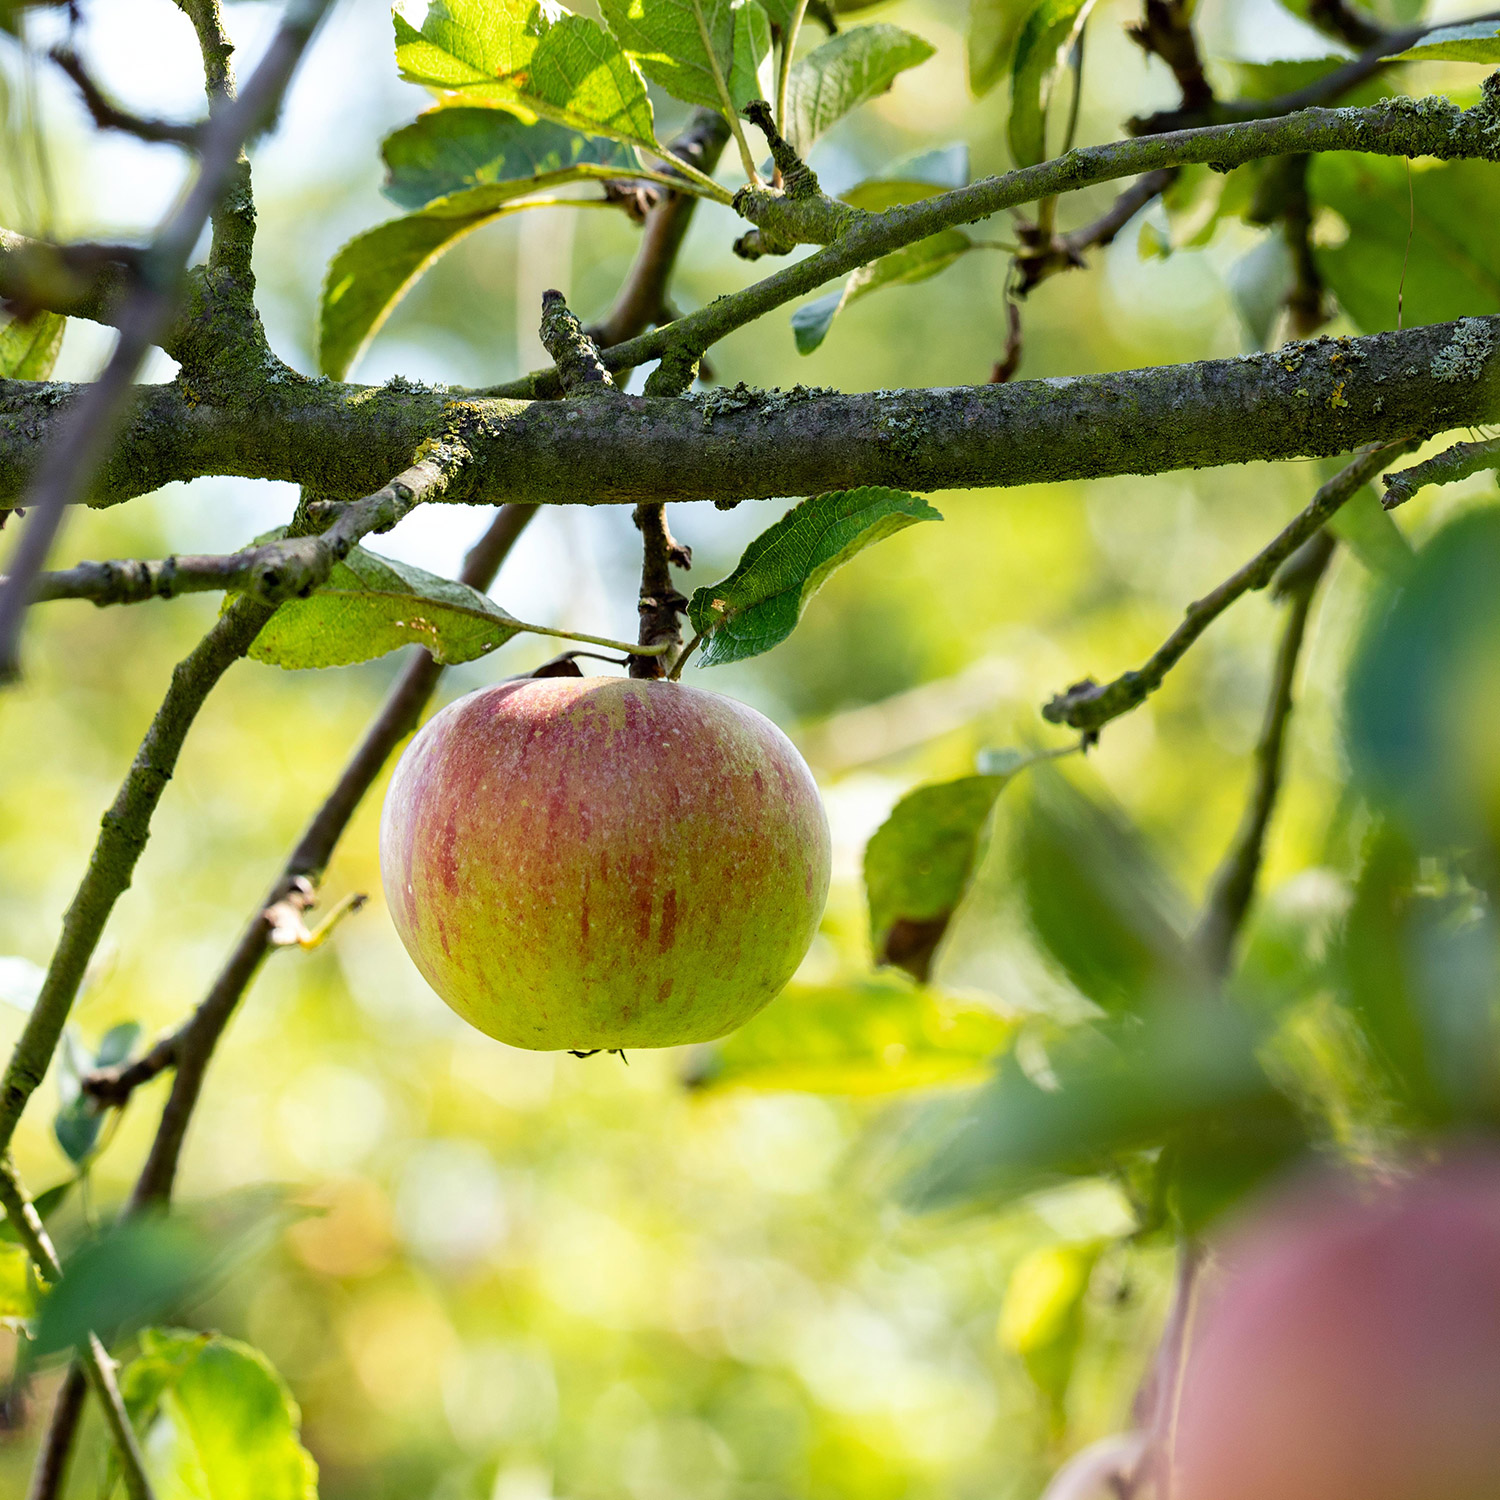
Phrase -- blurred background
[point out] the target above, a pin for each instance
(536, 1276)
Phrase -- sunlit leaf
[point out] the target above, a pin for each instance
(678, 43)
(868, 1036)
(530, 57)
(919, 864)
(752, 74)
(1041, 1318)
(218, 1422)
(842, 74)
(371, 605)
(17, 1285)
(1370, 532)
(447, 151)
(915, 262)
(758, 605)
(1049, 32)
(371, 274)
(29, 350)
(1476, 41)
(1452, 266)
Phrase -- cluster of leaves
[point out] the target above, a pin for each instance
(533, 99)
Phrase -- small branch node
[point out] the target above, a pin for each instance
(579, 366)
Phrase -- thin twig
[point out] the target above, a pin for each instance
(1448, 467)
(98, 1368)
(50, 1472)
(109, 116)
(1233, 883)
(1089, 707)
(81, 445)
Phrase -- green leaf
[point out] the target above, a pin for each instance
(680, 44)
(911, 263)
(1049, 32)
(532, 58)
(866, 1036)
(371, 605)
(1477, 42)
(1041, 1318)
(1420, 690)
(752, 75)
(447, 151)
(371, 274)
(17, 1287)
(29, 350)
(842, 74)
(993, 25)
(1099, 902)
(129, 1275)
(1453, 267)
(918, 866)
(758, 605)
(1180, 1074)
(911, 181)
(220, 1423)
(117, 1044)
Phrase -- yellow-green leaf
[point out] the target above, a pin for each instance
(371, 605)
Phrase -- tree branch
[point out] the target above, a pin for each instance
(1314, 399)
(78, 450)
(1089, 707)
(642, 302)
(1233, 883)
(109, 116)
(1448, 467)
(51, 1470)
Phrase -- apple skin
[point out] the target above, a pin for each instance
(601, 862)
(1352, 1349)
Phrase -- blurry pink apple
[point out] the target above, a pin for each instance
(1352, 1348)
(600, 862)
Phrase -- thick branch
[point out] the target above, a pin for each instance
(1314, 399)
(1089, 707)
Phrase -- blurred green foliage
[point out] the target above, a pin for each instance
(697, 1277)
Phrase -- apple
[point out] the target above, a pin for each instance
(1351, 1350)
(603, 862)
